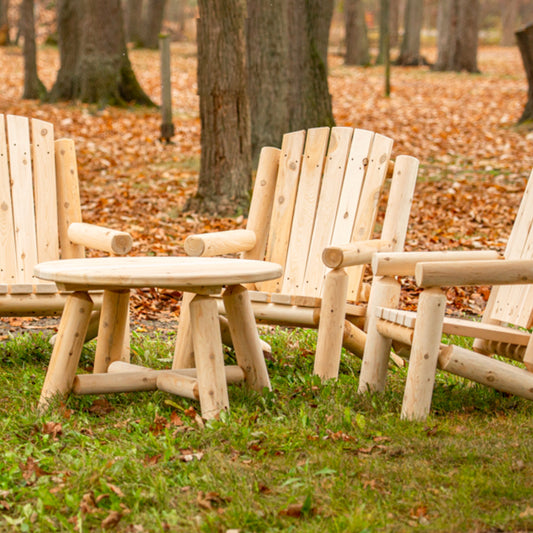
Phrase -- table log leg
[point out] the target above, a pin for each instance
(208, 355)
(245, 337)
(184, 353)
(67, 347)
(113, 326)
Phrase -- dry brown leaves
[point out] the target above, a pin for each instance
(474, 163)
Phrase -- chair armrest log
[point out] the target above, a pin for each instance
(355, 253)
(493, 272)
(404, 263)
(219, 243)
(100, 238)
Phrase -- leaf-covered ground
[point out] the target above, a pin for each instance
(474, 163)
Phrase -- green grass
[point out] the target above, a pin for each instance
(305, 457)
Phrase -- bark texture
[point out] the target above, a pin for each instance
(153, 23)
(68, 35)
(95, 66)
(225, 165)
(357, 49)
(309, 98)
(134, 12)
(4, 23)
(410, 49)
(268, 77)
(457, 42)
(524, 38)
(510, 10)
(33, 87)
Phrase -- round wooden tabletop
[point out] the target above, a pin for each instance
(179, 273)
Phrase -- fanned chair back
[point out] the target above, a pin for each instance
(514, 304)
(323, 187)
(38, 203)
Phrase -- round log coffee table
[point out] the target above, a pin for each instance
(116, 276)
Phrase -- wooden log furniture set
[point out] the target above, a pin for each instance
(323, 187)
(510, 304)
(309, 234)
(40, 217)
(116, 276)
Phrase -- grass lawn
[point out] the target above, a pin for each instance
(305, 457)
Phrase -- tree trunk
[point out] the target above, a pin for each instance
(225, 165)
(154, 22)
(357, 50)
(4, 23)
(267, 46)
(309, 98)
(384, 31)
(134, 12)
(468, 35)
(68, 32)
(96, 68)
(510, 13)
(33, 87)
(524, 38)
(457, 27)
(410, 50)
(394, 22)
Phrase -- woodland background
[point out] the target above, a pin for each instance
(474, 161)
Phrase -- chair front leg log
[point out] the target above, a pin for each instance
(424, 355)
(67, 347)
(331, 325)
(385, 292)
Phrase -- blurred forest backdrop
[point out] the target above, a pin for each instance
(461, 125)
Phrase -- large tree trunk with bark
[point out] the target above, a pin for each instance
(68, 35)
(154, 22)
(510, 10)
(457, 42)
(133, 19)
(524, 37)
(33, 87)
(309, 98)
(357, 49)
(4, 23)
(410, 49)
(384, 29)
(394, 22)
(225, 166)
(96, 69)
(268, 79)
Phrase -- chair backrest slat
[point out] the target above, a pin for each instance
(44, 175)
(334, 170)
(284, 201)
(304, 212)
(18, 135)
(365, 220)
(8, 266)
(352, 186)
(514, 304)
